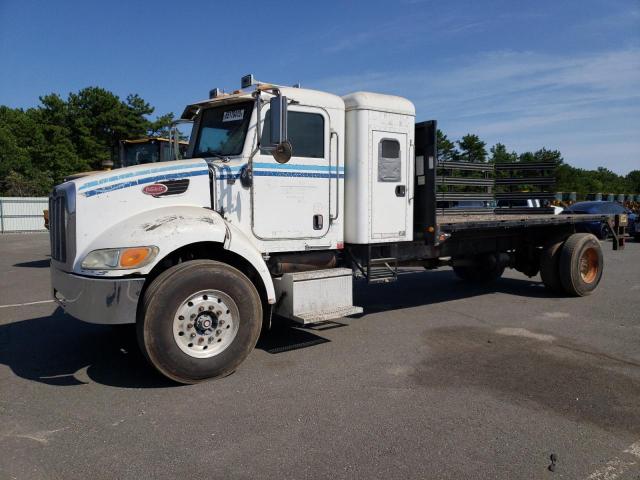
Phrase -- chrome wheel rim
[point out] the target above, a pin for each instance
(206, 323)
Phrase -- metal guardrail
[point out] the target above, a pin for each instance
(22, 214)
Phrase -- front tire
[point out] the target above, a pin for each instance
(581, 264)
(200, 320)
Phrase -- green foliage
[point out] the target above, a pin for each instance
(472, 149)
(542, 155)
(447, 151)
(633, 179)
(42, 145)
(602, 180)
(499, 154)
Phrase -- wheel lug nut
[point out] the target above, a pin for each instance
(193, 315)
(200, 309)
(210, 307)
(200, 340)
(221, 322)
(189, 325)
(193, 335)
(218, 332)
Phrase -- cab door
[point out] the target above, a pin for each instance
(389, 201)
(291, 200)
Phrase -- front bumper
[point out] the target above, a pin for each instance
(97, 300)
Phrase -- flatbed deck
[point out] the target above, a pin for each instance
(455, 223)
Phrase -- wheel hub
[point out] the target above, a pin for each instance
(206, 323)
(589, 265)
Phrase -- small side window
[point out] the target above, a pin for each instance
(389, 164)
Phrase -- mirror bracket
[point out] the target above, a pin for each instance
(279, 145)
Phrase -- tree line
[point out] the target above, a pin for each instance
(471, 148)
(40, 146)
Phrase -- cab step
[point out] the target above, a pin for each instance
(382, 270)
(315, 317)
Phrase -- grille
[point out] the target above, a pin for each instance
(58, 225)
(175, 187)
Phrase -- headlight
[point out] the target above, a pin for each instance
(119, 258)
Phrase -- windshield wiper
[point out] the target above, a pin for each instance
(224, 158)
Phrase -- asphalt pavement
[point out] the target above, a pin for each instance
(436, 380)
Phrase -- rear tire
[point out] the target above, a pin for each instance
(486, 270)
(200, 320)
(581, 264)
(550, 267)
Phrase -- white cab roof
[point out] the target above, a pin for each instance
(313, 97)
(380, 102)
(303, 96)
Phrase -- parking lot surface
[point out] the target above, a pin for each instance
(436, 380)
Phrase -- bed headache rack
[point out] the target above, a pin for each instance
(520, 181)
(464, 188)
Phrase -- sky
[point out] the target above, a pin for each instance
(557, 74)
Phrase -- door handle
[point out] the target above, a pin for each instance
(317, 222)
(401, 191)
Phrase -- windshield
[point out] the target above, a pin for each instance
(223, 130)
(139, 153)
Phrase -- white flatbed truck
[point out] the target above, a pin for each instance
(287, 195)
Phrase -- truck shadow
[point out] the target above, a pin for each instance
(59, 350)
(417, 288)
(44, 263)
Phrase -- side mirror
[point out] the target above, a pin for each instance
(280, 146)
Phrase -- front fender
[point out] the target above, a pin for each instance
(171, 228)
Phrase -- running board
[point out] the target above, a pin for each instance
(315, 317)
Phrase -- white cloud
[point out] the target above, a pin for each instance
(528, 100)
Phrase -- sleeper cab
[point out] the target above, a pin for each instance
(378, 168)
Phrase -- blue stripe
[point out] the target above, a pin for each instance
(138, 174)
(142, 181)
(293, 166)
(264, 173)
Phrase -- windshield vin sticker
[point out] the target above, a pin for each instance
(233, 116)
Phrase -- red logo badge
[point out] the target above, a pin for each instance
(155, 189)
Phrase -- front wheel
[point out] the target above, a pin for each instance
(200, 320)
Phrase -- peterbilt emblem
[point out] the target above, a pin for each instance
(155, 189)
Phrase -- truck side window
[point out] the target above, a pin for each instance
(389, 163)
(306, 134)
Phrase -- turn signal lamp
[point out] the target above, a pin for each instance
(119, 258)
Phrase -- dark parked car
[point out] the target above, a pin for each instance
(597, 207)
